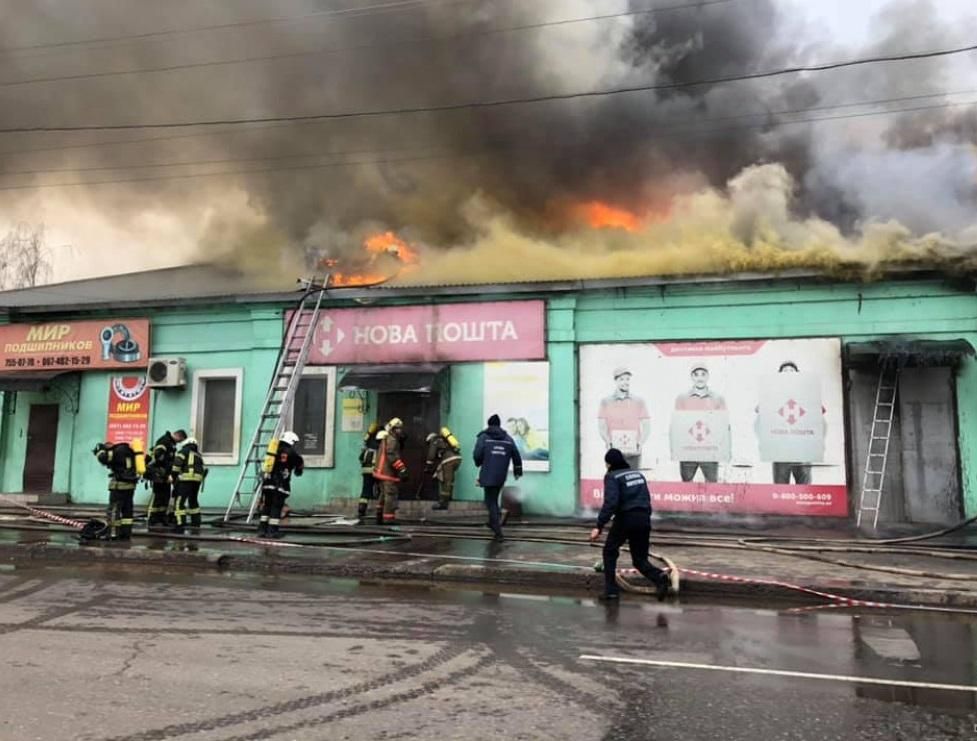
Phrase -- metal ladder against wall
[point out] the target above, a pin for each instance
(280, 397)
(878, 445)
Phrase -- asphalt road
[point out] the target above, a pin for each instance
(90, 654)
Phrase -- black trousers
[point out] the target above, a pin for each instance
(710, 471)
(633, 528)
(492, 505)
(273, 501)
(120, 512)
(187, 511)
(783, 471)
(367, 492)
(156, 512)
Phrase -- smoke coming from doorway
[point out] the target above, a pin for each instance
(711, 177)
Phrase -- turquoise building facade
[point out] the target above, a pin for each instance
(220, 327)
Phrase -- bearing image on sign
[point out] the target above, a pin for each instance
(728, 426)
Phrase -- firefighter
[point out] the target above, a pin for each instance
(120, 459)
(277, 484)
(158, 471)
(389, 470)
(368, 458)
(443, 459)
(188, 473)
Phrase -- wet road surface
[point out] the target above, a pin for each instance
(95, 654)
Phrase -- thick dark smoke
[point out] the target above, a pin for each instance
(531, 161)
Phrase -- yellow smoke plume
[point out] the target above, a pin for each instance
(747, 227)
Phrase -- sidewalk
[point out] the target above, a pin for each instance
(429, 558)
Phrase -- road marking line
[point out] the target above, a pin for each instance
(780, 673)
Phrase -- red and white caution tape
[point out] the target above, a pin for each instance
(45, 515)
(835, 600)
(262, 541)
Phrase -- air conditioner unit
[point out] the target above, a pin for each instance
(167, 373)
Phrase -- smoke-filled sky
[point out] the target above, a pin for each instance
(705, 168)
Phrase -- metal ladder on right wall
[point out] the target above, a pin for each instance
(878, 445)
(277, 406)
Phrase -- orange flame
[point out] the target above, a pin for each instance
(600, 215)
(376, 246)
(388, 243)
(355, 279)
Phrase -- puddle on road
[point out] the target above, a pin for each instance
(906, 646)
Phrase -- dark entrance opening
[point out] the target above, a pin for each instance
(42, 438)
(421, 413)
(922, 473)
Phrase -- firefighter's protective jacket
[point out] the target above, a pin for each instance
(390, 465)
(120, 459)
(188, 466)
(287, 462)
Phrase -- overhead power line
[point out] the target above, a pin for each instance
(674, 131)
(664, 127)
(480, 104)
(384, 43)
(385, 7)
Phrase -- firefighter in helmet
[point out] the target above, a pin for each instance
(158, 470)
(121, 460)
(277, 484)
(390, 469)
(443, 459)
(188, 473)
(368, 459)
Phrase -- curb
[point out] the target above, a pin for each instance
(428, 571)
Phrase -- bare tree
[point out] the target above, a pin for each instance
(24, 257)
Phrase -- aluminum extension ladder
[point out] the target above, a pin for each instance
(280, 397)
(878, 445)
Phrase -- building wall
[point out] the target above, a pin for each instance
(248, 337)
(925, 309)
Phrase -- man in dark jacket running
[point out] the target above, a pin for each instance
(628, 501)
(494, 450)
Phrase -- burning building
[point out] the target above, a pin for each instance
(749, 395)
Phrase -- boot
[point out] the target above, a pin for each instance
(379, 517)
(274, 532)
(663, 587)
(442, 504)
(262, 528)
(361, 512)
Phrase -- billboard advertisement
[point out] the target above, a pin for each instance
(92, 345)
(728, 426)
(520, 394)
(128, 417)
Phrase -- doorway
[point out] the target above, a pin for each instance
(922, 477)
(42, 440)
(421, 414)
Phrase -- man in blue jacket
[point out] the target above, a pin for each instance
(628, 501)
(494, 450)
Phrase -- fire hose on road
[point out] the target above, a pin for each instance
(561, 534)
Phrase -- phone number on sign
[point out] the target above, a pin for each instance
(47, 362)
(802, 497)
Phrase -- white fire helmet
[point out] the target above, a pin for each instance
(290, 437)
(190, 441)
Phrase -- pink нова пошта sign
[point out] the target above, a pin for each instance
(505, 330)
